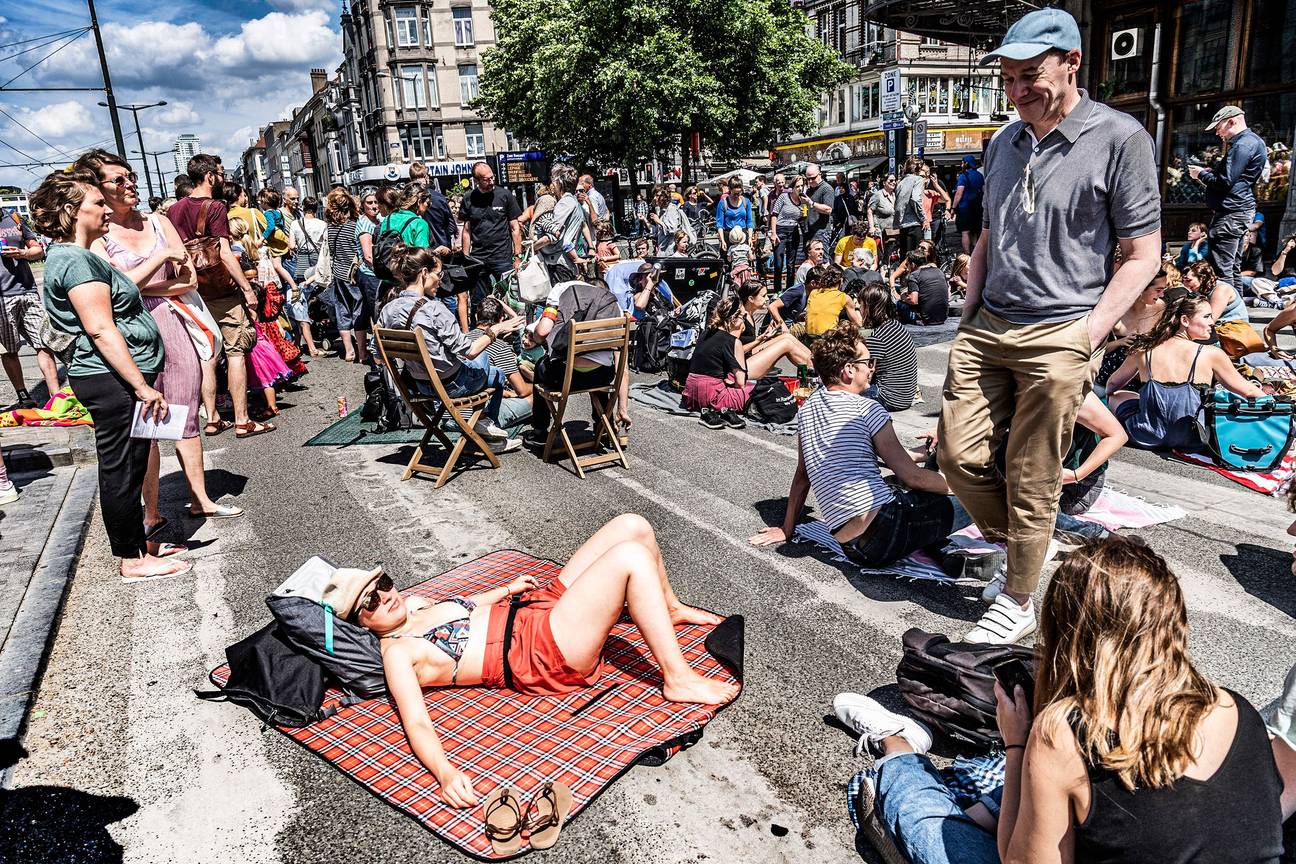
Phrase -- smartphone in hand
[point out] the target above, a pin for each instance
(1015, 673)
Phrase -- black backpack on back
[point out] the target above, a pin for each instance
(950, 685)
(271, 678)
(384, 244)
(771, 401)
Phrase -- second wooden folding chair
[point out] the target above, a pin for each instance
(588, 337)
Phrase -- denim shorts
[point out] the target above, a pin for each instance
(911, 521)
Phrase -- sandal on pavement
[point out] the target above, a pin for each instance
(502, 814)
(173, 568)
(222, 511)
(546, 814)
(216, 427)
(162, 549)
(251, 428)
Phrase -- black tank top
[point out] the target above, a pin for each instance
(1232, 818)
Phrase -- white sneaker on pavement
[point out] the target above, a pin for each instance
(490, 431)
(866, 717)
(506, 446)
(8, 493)
(996, 584)
(870, 822)
(1004, 623)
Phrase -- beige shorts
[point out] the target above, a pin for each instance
(237, 330)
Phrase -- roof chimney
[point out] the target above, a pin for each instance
(319, 80)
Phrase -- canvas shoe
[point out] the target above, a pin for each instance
(489, 430)
(8, 493)
(870, 822)
(866, 717)
(997, 584)
(506, 446)
(1004, 623)
(711, 419)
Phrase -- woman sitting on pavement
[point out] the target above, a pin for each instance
(462, 363)
(1232, 328)
(116, 357)
(1174, 363)
(895, 357)
(488, 312)
(826, 302)
(1127, 755)
(925, 297)
(1138, 320)
(718, 384)
(763, 352)
(841, 436)
(556, 642)
(1094, 441)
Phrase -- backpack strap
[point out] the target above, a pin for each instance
(418, 304)
(201, 228)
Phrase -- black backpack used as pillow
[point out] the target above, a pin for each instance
(268, 676)
(950, 685)
(348, 653)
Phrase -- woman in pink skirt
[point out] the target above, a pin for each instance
(717, 382)
(149, 251)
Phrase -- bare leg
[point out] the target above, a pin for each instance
(625, 575)
(631, 527)
(270, 398)
(189, 452)
(760, 363)
(13, 368)
(209, 388)
(151, 483)
(49, 369)
(348, 347)
(237, 373)
(308, 338)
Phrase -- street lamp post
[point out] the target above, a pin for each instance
(135, 109)
(418, 111)
(157, 166)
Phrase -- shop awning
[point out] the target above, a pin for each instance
(867, 166)
(980, 24)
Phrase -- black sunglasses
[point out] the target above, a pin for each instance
(369, 600)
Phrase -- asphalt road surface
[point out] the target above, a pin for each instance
(116, 715)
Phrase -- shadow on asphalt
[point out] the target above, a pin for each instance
(1264, 574)
(55, 824)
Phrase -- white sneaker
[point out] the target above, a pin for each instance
(506, 446)
(490, 431)
(1003, 623)
(8, 493)
(870, 822)
(997, 583)
(867, 718)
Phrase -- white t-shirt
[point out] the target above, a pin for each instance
(836, 432)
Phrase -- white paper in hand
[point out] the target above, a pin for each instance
(171, 429)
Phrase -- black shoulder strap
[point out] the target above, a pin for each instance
(418, 304)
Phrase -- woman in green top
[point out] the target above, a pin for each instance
(399, 217)
(116, 357)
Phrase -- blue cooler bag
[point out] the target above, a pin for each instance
(1250, 434)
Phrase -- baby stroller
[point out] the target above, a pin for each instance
(688, 323)
(319, 307)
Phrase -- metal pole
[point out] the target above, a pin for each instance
(161, 177)
(148, 179)
(108, 90)
(418, 117)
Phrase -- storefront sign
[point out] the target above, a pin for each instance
(833, 149)
(522, 167)
(449, 169)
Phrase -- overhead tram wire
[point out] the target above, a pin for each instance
(49, 144)
(69, 41)
(43, 41)
(51, 36)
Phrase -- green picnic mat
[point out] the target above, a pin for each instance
(351, 430)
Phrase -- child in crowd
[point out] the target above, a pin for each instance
(266, 367)
(739, 251)
(826, 302)
(1197, 248)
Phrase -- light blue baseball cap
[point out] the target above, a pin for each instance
(1033, 34)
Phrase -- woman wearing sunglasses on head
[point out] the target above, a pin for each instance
(554, 642)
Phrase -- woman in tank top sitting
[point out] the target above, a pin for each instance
(1175, 366)
(1128, 754)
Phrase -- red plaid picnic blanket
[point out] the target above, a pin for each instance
(502, 737)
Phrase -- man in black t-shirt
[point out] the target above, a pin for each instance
(821, 197)
(926, 296)
(491, 232)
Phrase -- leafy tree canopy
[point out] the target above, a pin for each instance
(611, 81)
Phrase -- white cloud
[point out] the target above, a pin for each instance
(178, 113)
(304, 5)
(277, 40)
(61, 120)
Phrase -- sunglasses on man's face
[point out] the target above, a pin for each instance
(370, 600)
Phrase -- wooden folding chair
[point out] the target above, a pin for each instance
(409, 346)
(586, 337)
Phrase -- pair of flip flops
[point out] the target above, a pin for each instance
(542, 820)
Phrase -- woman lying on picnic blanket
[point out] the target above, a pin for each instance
(555, 641)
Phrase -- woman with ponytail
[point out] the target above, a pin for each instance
(717, 382)
(1175, 365)
(459, 361)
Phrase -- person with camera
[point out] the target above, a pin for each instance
(1230, 190)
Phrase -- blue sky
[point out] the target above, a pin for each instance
(225, 69)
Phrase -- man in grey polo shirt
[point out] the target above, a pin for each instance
(1063, 186)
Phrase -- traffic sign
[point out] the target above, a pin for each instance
(920, 131)
(891, 90)
(893, 124)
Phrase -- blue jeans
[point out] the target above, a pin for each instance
(787, 255)
(474, 376)
(924, 819)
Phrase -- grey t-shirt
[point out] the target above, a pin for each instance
(1094, 181)
(16, 276)
(447, 344)
(816, 221)
(909, 201)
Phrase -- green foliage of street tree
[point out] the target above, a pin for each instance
(613, 81)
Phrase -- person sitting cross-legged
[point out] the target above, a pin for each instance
(841, 437)
(552, 645)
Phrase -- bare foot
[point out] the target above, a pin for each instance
(694, 688)
(151, 567)
(683, 614)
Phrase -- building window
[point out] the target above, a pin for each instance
(407, 26)
(467, 83)
(857, 94)
(841, 106)
(463, 26)
(931, 95)
(1204, 28)
(412, 89)
(1271, 48)
(874, 99)
(823, 29)
(474, 139)
(1133, 73)
(852, 27)
(422, 143)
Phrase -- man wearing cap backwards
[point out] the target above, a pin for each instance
(1063, 186)
(1230, 193)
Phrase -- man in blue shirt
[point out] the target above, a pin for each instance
(967, 203)
(1230, 191)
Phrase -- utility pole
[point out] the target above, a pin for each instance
(108, 90)
(135, 109)
(157, 167)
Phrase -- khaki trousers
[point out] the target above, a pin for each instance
(1016, 387)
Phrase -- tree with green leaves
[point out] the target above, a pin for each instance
(612, 82)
